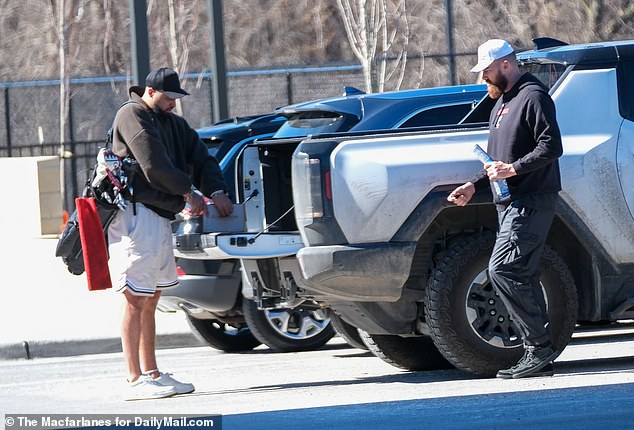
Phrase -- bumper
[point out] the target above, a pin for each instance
(220, 246)
(371, 272)
(212, 293)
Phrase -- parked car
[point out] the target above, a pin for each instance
(210, 288)
(232, 134)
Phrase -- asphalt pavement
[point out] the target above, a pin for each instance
(339, 387)
(48, 312)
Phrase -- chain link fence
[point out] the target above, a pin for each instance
(29, 111)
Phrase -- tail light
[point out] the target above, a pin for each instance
(313, 194)
(309, 198)
(328, 185)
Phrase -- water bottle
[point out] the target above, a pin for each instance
(499, 186)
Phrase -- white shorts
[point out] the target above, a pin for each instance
(141, 254)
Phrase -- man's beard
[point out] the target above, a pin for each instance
(159, 112)
(494, 91)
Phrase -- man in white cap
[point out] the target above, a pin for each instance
(174, 164)
(525, 141)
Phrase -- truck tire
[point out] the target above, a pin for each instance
(348, 332)
(409, 353)
(470, 325)
(288, 330)
(223, 336)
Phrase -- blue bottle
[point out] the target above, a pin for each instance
(499, 186)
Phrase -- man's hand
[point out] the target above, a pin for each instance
(499, 170)
(196, 202)
(222, 203)
(461, 195)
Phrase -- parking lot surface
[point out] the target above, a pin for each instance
(340, 387)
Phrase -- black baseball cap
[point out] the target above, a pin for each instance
(165, 80)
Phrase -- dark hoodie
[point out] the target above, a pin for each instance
(524, 131)
(170, 154)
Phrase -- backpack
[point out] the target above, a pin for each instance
(109, 183)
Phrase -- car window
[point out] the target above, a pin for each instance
(548, 74)
(305, 123)
(441, 115)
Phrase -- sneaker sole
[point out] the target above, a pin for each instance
(134, 399)
(543, 372)
(529, 372)
(504, 375)
(157, 396)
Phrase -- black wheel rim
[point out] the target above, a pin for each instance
(487, 315)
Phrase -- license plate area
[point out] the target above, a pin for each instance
(219, 246)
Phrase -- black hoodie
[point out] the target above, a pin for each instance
(523, 131)
(170, 154)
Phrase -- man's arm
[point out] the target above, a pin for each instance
(542, 120)
(208, 176)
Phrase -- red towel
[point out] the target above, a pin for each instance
(93, 244)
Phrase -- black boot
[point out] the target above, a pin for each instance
(537, 361)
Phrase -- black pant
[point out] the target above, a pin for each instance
(514, 266)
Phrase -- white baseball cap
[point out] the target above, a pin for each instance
(490, 51)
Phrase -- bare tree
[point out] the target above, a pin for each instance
(183, 25)
(173, 46)
(288, 32)
(61, 28)
(375, 30)
(111, 54)
(63, 13)
(283, 32)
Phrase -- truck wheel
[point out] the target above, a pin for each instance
(299, 329)
(409, 353)
(223, 336)
(348, 332)
(470, 325)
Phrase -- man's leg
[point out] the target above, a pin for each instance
(148, 336)
(514, 269)
(131, 329)
(148, 349)
(514, 272)
(134, 267)
(132, 332)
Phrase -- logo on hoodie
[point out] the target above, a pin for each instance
(500, 114)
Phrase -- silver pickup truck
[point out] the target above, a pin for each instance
(360, 223)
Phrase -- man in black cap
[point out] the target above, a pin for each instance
(174, 166)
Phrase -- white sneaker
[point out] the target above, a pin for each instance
(146, 388)
(166, 380)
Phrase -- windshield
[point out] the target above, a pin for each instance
(305, 123)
